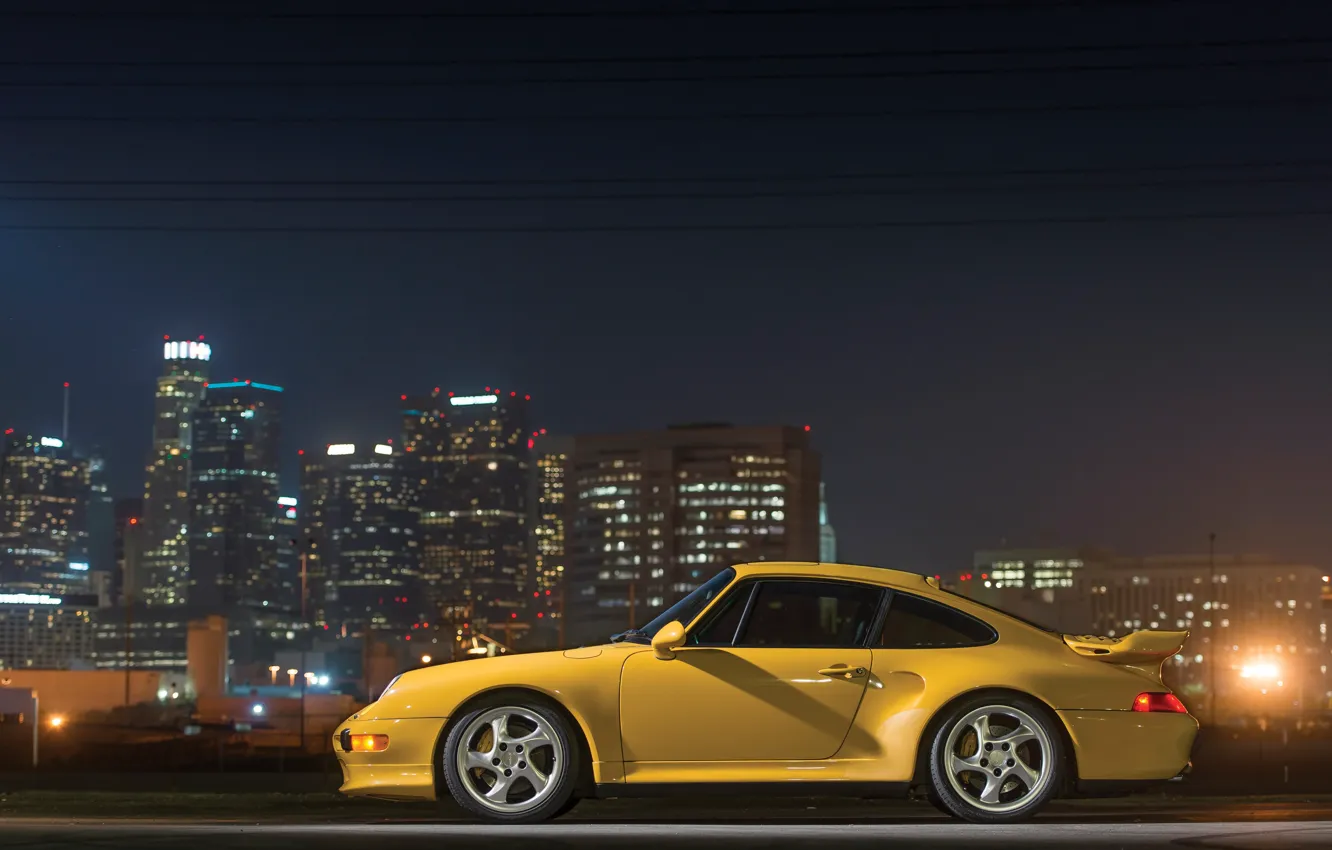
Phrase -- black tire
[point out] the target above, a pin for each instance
(557, 800)
(1022, 803)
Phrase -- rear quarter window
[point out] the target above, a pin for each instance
(916, 623)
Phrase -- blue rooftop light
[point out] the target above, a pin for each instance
(256, 384)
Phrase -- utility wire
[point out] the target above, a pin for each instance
(671, 196)
(760, 76)
(621, 118)
(702, 58)
(664, 11)
(769, 177)
(1212, 215)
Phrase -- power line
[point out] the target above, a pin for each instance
(769, 177)
(1228, 215)
(675, 196)
(759, 76)
(621, 118)
(718, 58)
(818, 10)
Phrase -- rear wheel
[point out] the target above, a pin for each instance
(512, 763)
(996, 760)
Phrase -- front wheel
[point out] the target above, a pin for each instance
(996, 760)
(511, 763)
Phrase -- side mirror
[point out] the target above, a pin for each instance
(667, 640)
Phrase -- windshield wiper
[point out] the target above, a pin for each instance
(632, 636)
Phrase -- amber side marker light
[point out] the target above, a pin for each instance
(1159, 702)
(369, 743)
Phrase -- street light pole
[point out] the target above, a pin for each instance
(1212, 650)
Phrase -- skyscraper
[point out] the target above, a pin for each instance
(43, 516)
(827, 535)
(470, 458)
(101, 524)
(128, 513)
(163, 564)
(550, 457)
(233, 493)
(653, 514)
(362, 530)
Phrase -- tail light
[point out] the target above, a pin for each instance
(1159, 702)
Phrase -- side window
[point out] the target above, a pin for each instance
(915, 623)
(719, 630)
(810, 614)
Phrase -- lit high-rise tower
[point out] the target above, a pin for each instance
(43, 507)
(235, 561)
(163, 568)
(470, 458)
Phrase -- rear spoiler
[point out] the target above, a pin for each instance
(1144, 651)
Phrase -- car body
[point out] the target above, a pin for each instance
(807, 678)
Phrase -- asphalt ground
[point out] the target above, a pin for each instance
(36, 821)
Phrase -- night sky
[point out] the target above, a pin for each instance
(1081, 377)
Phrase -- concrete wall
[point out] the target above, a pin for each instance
(75, 692)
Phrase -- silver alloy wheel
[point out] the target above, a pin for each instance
(509, 759)
(998, 758)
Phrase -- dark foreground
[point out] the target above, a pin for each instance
(58, 821)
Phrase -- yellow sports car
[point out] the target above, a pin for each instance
(786, 678)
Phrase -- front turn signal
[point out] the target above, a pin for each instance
(1159, 702)
(369, 743)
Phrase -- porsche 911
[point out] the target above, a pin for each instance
(794, 679)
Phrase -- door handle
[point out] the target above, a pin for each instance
(841, 671)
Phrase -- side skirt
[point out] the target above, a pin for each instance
(826, 788)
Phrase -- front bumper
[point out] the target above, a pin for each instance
(1130, 746)
(404, 771)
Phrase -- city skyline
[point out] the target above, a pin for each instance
(1139, 359)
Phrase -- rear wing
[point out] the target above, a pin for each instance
(1144, 651)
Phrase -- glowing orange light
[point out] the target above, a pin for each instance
(369, 743)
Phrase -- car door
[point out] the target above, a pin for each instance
(775, 671)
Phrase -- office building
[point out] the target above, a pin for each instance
(827, 535)
(362, 531)
(470, 455)
(164, 557)
(233, 531)
(127, 518)
(651, 515)
(1257, 624)
(550, 459)
(101, 526)
(45, 631)
(44, 493)
(1036, 583)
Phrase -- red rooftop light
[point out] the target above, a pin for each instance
(300, 451)
(527, 398)
(511, 394)
(201, 337)
(403, 397)
(806, 427)
(66, 384)
(166, 336)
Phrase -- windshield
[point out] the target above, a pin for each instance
(688, 608)
(1031, 623)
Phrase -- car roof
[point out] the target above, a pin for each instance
(871, 575)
